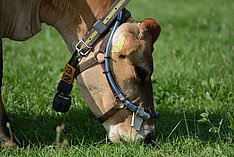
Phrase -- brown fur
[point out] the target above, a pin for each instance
(73, 19)
(151, 27)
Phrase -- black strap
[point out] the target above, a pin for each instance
(85, 45)
(81, 67)
(102, 25)
(62, 100)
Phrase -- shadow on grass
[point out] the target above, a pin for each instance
(81, 127)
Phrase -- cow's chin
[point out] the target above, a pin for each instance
(123, 132)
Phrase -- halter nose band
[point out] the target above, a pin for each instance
(139, 111)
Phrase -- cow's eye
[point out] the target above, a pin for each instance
(141, 74)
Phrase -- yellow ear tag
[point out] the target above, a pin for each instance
(118, 45)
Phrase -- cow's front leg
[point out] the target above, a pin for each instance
(5, 139)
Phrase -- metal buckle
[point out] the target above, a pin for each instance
(79, 49)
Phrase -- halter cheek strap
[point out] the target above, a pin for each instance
(73, 68)
(115, 89)
(62, 100)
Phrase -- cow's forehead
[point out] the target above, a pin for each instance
(133, 28)
(125, 30)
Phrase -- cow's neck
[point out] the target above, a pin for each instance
(20, 19)
(73, 18)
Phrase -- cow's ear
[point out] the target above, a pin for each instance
(150, 26)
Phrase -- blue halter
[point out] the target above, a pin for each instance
(144, 115)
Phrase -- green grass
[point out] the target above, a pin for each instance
(193, 60)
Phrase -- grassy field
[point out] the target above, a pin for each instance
(193, 85)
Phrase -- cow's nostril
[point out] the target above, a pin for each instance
(150, 138)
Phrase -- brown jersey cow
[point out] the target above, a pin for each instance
(21, 19)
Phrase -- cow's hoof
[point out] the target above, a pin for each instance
(7, 142)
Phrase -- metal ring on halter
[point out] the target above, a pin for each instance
(97, 56)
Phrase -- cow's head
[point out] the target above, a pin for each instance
(132, 66)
